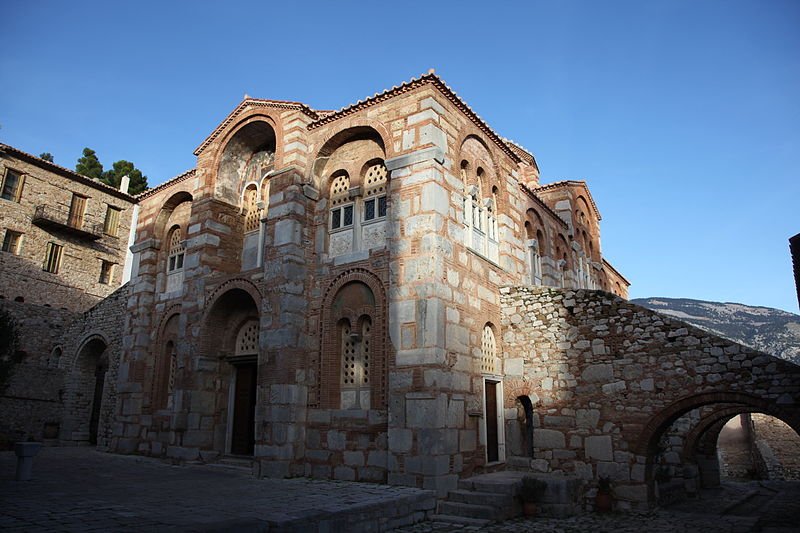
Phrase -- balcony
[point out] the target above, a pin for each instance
(59, 218)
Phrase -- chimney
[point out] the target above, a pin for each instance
(124, 183)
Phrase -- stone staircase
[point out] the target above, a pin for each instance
(481, 500)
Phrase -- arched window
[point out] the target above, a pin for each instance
(488, 351)
(355, 352)
(375, 181)
(176, 250)
(252, 214)
(341, 205)
(247, 339)
(172, 363)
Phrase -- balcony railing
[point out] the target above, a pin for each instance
(50, 216)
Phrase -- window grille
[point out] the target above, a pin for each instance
(247, 339)
(251, 211)
(176, 250)
(488, 352)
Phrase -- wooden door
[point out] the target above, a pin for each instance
(244, 410)
(492, 444)
(76, 211)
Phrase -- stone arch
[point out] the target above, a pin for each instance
(165, 359)
(233, 305)
(371, 141)
(251, 138)
(167, 208)
(87, 398)
(647, 443)
(235, 283)
(328, 394)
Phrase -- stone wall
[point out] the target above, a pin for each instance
(779, 445)
(100, 326)
(607, 378)
(32, 398)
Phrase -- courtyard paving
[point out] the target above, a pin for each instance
(78, 489)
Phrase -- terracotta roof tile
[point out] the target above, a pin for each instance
(172, 181)
(248, 101)
(426, 79)
(571, 183)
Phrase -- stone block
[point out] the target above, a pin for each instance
(587, 418)
(426, 412)
(598, 373)
(400, 440)
(599, 447)
(548, 438)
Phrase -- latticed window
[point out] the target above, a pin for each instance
(247, 339)
(355, 362)
(375, 182)
(341, 214)
(172, 371)
(176, 250)
(488, 352)
(251, 211)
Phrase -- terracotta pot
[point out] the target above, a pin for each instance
(603, 502)
(529, 509)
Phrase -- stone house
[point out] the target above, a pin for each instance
(65, 241)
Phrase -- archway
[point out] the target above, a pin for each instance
(93, 367)
(233, 331)
(700, 442)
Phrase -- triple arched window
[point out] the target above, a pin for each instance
(358, 209)
(480, 213)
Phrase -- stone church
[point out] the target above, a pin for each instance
(388, 293)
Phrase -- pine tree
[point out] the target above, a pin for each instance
(89, 165)
(122, 168)
(47, 156)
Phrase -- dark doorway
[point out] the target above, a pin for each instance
(492, 445)
(97, 399)
(244, 410)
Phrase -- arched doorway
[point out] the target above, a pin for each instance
(93, 368)
(232, 336)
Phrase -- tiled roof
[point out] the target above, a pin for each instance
(426, 79)
(248, 101)
(67, 173)
(606, 263)
(571, 183)
(543, 205)
(172, 181)
(524, 154)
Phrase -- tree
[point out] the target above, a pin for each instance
(9, 355)
(89, 165)
(122, 168)
(47, 156)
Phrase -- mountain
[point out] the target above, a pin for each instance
(765, 329)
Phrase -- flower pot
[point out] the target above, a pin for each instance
(603, 502)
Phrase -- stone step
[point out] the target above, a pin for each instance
(469, 510)
(462, 520)
(502, 485)
(480, 498)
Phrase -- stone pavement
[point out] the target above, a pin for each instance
(769, 507)
(79, 489)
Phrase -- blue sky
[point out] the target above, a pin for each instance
(683, 116)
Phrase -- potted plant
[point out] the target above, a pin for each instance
(604, 500)
(531, 492)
